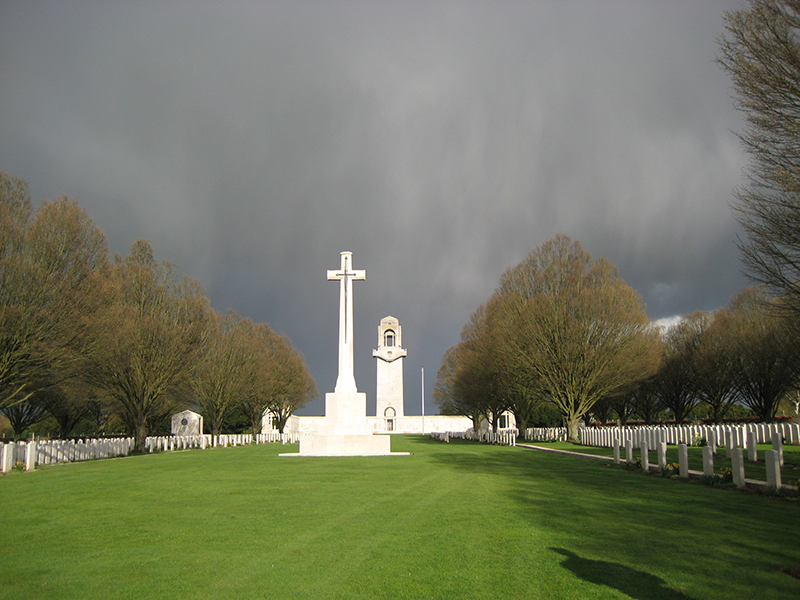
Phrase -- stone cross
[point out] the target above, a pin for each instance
(346, 381)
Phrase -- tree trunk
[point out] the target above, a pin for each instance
(282, 421)
(572, 429)
(476, 422)
(522, 425)
(139, 436)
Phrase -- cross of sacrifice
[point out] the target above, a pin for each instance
(346, 382)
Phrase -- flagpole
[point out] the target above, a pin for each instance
(423, 400)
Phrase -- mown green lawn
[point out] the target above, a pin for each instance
(458, 520)
(790, 472)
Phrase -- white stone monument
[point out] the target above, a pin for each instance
(389, 389)
(187, 422)
(345, 430)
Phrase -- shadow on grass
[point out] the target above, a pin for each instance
(659, 525)
(636, 584)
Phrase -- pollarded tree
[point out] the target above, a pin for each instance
(601, 410)
(765, 354)
(22, 415)
(761, 53)
(67, 402)
(150, 338)
(217, 382)
(645, 403)
(623, 406)
(580, 331)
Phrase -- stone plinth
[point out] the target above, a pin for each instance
(345, 414)
(345, 430)
(346, 445)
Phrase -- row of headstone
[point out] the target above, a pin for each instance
(773, 459)
(546, 434)
(276, 437)
(505, 437)
(45, 452)
(168, 443)
(13, 454)
(730, 436)
(165, 443)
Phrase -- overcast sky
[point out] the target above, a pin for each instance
(440, 142)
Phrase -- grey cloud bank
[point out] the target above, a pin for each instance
(440, 142)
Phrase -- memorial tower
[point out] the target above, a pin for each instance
(389, 391)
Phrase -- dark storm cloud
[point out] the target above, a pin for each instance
(438, 141)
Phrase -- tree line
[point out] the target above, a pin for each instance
(564, 330)
(86, 336)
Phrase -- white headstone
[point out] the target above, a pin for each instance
(777, 445)
(708, 461)
(752, 450)
(683, 460)
(737, 466)
(662, 454)
(773, 470)
(645, 456)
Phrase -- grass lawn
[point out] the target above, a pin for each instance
(790, 472)
(458, 520)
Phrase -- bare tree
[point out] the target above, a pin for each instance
(481, 376)
(217, 381)
(676, 383)
(447, 396)
(766, 361)
(713, 364)
(277, 379)
(579, 331)
(151, 337)
(52, 263)
(761, 53)
(645, 403)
